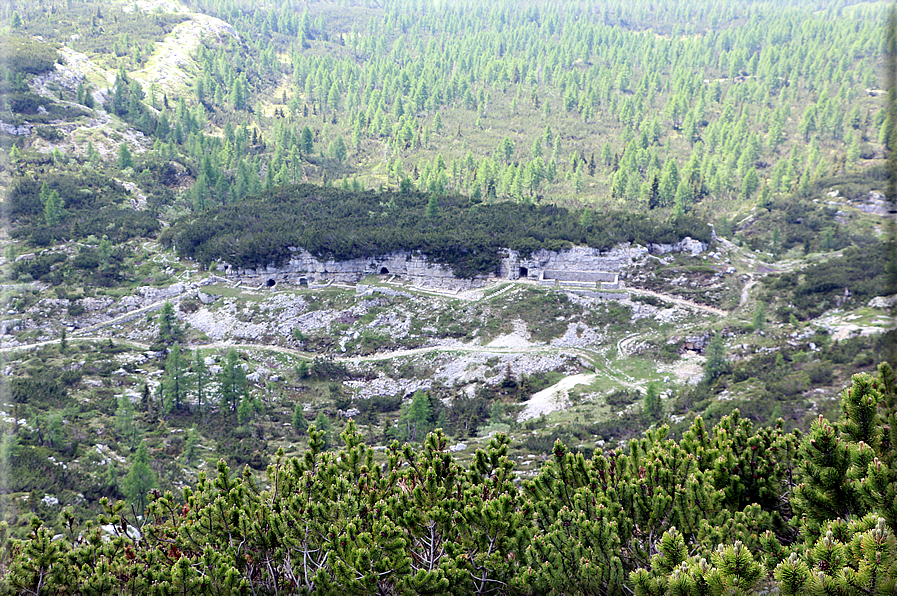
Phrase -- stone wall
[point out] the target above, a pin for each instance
(305, 269)
(577, 266)
(581, 276)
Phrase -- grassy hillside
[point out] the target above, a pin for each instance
(454, 129)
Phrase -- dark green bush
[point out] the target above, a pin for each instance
(335, 224)
(28, 56)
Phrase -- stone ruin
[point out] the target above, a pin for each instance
(578, 268)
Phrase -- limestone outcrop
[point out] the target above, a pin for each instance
(578, 266)
(304, 268)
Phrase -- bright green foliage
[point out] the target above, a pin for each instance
(653, 407)
(750, 184)
(140, 479)
(493, 520)
(716, 363)
(54, 205)
(300, 424)
(826, 492)
(878, 486)
(860, 404)
(859, 557)
(232, 382)
(325, 428)
(124, 157)
(709, 514)
(577, 540)
(174, 384)
(414, 421)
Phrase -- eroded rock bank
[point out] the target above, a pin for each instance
(577, 266)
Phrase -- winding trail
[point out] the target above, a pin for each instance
(745, 291)
(553, 398)
(680, 301)
(623, 344)
(548, 400)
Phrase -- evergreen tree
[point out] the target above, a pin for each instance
(124, 157)
(248, 408)
(232, 381)
(337, 149)
(175, 381)
(653, 408)
(414, 420)
(140, 479)
(169, 329)
(750, 184)
(191, 444)
(716, 363)
(302, 369)
(307, 142)
(300, 424)
(200, 377)
(432, 207)
(54, 205)
(124, 421)
(323, 425)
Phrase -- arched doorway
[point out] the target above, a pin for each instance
(270, 283)
(384, 271)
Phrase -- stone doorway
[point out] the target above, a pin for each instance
(523, 273)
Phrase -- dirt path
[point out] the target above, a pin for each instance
(553, 398)
(623, 344)
(224, 345)
(680, 301)
(745, 291)
(123, 318)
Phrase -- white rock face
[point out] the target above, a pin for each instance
(689, 245)
(304, 268)
(882, 302)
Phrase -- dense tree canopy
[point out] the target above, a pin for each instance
(733, 507)
(341, 225)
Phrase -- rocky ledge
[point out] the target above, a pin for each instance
(579, 264)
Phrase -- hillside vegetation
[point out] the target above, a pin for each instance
(452, 230)
(143, 394)
(725, 509)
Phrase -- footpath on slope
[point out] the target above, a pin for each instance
(553, 398)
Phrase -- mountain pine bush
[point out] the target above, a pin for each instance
(731, 509)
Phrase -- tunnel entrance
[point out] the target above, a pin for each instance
(270, 283)
(384, 271)
(524, 272)
(303, 281)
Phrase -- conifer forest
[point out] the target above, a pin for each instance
(402, 297)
